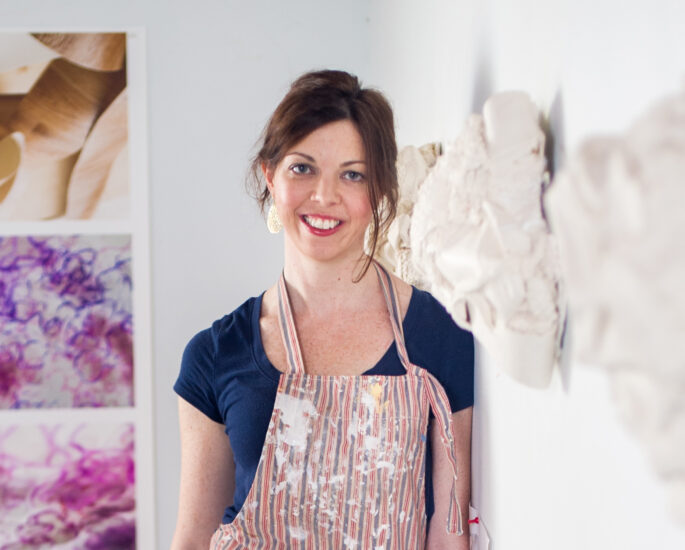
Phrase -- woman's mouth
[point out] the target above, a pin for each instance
(321, 226)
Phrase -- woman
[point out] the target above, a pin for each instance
(315, 382)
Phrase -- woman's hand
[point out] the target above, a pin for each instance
(438, 537)
(207, 478)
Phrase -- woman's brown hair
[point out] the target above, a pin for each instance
(318, 98)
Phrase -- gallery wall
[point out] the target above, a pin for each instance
(553, 468)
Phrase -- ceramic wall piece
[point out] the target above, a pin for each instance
(617, 208)
(394, 247)
(479, 237)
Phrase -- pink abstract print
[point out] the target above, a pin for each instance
(66, 329)
(67, 487)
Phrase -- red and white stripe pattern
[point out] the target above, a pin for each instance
(343, 462)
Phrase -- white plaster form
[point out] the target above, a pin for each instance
(480, 241)
(618, 211)
(394, 247)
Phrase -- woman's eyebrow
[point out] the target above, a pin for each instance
(308, 157)
(312, 159)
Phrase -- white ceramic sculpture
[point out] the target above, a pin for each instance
(478, 235)
(618, 210)
(394, 247)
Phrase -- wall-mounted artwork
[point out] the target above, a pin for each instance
(394, 246)
(67, 487)
(63, 126)
(75, 334)
(617, 208)
(480, 238)
(66, 327)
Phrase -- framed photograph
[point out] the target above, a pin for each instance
(75, 319)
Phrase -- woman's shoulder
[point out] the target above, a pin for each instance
(429, 307)
(436, 343)
(198, 381)
(232, 327)
(404, 293)
(429, 321)
(420, 307)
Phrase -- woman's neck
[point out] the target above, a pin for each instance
(320, 289)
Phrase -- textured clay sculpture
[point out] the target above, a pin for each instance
(618, 211)
(478, 235)
(394, 247)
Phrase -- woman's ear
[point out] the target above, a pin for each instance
(268, 174)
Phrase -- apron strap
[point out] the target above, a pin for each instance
(437, 397)
(441, 409)
(393, 304)
(288, 333)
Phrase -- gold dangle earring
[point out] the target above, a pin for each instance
(273, 222)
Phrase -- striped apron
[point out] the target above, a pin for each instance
(343, 462)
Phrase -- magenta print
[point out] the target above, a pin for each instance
(67, 487)
(66, 330)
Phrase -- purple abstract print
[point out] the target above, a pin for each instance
(67, 487)
(66, 328)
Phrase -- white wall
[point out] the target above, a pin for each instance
(552, 469)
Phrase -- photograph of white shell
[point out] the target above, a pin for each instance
(393, 249)
(617, 209)
(480, 239)
(63, 126)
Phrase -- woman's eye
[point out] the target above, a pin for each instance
(300, 169)
(352, 175)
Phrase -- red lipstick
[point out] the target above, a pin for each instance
(319, 232)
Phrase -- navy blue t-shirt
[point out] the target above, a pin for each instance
(226, 374)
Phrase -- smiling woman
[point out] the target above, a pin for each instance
(317, 194)
(334, 384)
(315, 100)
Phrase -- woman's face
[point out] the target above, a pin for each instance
(321, 193)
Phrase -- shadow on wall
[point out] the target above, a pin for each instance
(555, 150)
(482, 81)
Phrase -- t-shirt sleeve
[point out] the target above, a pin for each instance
(448, 352)
(457, 374)
(195, 382)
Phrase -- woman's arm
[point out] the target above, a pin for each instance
(438, 538)
(207, 478)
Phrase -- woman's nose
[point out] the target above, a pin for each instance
(326, 190)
